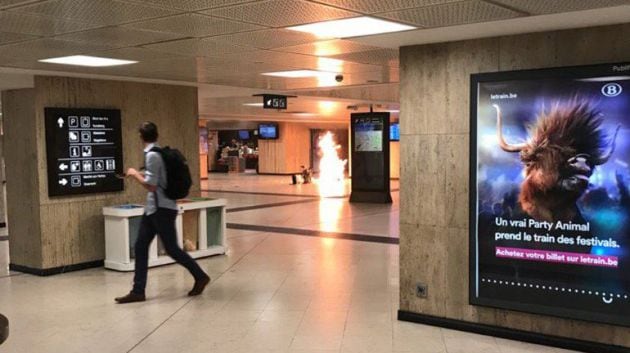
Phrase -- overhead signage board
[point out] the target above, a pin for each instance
(274, 101)
(84, 151)
(550, 192)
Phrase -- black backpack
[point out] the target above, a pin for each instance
(178, 176)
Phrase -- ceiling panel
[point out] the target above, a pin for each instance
(539, 7)
(199, 47)
(26, 54)
(195, 25)
(281, 13)
(119, 36)
(376, 6)
(269, 38)
(6, 37)
(190, 5)
(385, 57)
(328, 48)
(104, 12)
(12, 3)
(451, 14)
(17, 22)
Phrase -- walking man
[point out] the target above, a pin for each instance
(159, 218)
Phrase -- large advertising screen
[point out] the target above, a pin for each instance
(550, 192)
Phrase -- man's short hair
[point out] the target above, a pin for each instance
(148, 131)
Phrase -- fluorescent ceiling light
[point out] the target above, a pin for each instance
(84, 60)
(351, 27)
(299, 73)
(254, 104)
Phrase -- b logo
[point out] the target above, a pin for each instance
(612, 89)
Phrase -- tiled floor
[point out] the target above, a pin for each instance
(272, 292)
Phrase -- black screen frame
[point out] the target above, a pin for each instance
(586, 71)
(360, 155)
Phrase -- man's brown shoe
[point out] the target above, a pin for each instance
(199, 286)
(131, 298)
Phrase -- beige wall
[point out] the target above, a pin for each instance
(70, 229)
(435, 82)
(394, 160)
(286, 154)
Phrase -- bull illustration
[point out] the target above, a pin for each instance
(565, 145)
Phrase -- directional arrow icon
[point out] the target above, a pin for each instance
(63, 182)
(60, 122)
(63, 167)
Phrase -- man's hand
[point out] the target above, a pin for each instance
(132, 172)
(139, 177)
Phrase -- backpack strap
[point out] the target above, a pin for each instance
(155, 193)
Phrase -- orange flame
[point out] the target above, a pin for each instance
(331, 167)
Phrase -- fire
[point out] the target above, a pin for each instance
(331, 167)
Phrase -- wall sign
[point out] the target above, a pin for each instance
(274, 101)
(84, 151)
(550, 192)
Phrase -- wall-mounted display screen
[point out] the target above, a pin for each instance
(368, 134)
(394, 132)
(550, 192)
(84, 151)
(243, 134)
(268, 131)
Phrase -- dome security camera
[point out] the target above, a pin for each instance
(339, 78)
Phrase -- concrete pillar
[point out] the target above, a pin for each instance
(51, 235)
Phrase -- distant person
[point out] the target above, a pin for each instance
(159, 218)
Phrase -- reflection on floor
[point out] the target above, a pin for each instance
(272, 292)
(271, 184)
(326, 215)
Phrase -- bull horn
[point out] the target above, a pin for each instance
(606, 157)
(504, 145)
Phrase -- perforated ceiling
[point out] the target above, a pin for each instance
(231, 42)
(195, 25)
(118, 37)
(199, 47)
(189, 5)
(39, 25)
(328, 48)
(539, 7)
(376, 6)
(269, 38)
(281, 13)
(104, 12)
(452, 14)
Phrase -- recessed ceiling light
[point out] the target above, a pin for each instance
(253, 104)
(299, 73)
(84, 60)
(351, 27)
